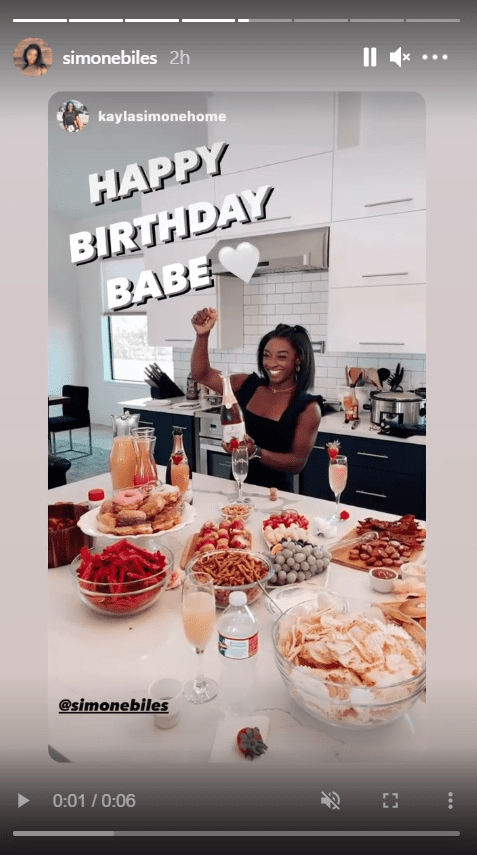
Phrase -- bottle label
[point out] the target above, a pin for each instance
(237, 431)
(238, 648)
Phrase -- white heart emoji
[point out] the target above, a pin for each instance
(242, 262)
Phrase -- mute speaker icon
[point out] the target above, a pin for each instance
(395, 56)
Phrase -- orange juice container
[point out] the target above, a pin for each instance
(122, 459)
(122, 462)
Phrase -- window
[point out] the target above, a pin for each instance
(130, 352)
(126, 339)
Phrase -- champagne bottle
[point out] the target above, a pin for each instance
(178, 470)
(231, 415)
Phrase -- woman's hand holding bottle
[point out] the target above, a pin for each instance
(246, 442)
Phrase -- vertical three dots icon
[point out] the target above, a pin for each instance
(450, 800)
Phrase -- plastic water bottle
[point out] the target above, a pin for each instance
(238, 647)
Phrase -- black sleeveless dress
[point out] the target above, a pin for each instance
(270, 434)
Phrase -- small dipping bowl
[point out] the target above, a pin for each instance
(237, 510)
(383, 579)
(413, 570)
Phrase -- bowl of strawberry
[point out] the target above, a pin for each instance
(121, 579)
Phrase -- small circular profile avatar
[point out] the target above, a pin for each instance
(33, 57)
(72, 116)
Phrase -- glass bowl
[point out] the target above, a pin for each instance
(118, 598)
(210, 561)
(337, 695)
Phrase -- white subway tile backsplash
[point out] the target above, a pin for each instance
(300, 298)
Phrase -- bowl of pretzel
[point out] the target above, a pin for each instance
(233, 570)
(348, 664)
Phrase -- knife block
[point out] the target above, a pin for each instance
(167, 389)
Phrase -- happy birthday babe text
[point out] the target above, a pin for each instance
(148, 230)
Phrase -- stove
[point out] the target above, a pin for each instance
(213, 460)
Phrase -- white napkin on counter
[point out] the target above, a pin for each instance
(225, 748)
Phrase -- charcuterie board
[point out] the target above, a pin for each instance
(341, 552)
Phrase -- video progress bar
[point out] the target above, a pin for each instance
(240, 833)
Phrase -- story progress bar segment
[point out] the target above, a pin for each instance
(236, 20)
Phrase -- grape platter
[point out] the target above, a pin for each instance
(297, 561)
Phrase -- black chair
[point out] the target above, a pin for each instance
(57, 469)
(75, 416)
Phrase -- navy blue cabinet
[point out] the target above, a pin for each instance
(382, 475)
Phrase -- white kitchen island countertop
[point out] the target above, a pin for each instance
(101, 658)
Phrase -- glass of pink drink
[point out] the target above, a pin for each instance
(198, 616)
(338, 476)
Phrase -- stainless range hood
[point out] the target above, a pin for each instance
(304, 251)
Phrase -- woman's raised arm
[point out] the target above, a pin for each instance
(201, 369)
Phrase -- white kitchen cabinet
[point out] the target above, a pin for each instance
(263, 128)
(388, 319)
(388, 250)
(380, 148)
(301, 195)
(169, 320)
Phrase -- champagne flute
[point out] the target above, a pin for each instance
(338, 476)
(198, 615)
(240, 467)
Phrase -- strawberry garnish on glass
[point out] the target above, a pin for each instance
(333, 449)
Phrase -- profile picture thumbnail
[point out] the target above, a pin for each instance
(33, 57)
(72, 116)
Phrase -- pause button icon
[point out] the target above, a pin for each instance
(369, 56)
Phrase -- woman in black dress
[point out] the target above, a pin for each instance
(281, 420)
(72, 118)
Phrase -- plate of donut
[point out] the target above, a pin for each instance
(134, 514)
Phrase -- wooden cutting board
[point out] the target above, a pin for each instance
(340, 553)
(191, 545)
